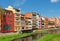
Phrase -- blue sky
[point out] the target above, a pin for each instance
(47, 8)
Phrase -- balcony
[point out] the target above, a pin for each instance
(22, 18)
(51, 23)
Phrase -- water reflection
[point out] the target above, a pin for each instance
(36, 36)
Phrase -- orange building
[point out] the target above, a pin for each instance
(52, 22)
(28, 21)
(46, 23)
(32, 20)
(58, 22)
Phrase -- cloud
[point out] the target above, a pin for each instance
(18, 3)
(54, 1)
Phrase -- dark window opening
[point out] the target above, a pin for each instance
(17, 10)
(7, 27)
(22, 27)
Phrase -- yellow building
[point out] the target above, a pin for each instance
(17, 21)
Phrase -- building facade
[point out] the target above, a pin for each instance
(7, 22)
(44, 22)
(28, 21)
(52, 22)
(17, 18)
(58, 22)
(22, 22)
(32, 20)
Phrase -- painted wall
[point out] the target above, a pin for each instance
(7, 22)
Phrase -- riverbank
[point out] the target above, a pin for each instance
(49, 37)
(16, 36)
(25, 35)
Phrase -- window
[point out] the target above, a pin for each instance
(30, 27)
(9, 16)
(17, 18)
(3, 20)
(34, 14)
(9, 21)
(7, 27)
(30, 24)
(42, 22)
(22, 18)
(17, 10)
(28, 18)
(17, 23)
(42, 27)
(17, 14)
(22, 27)
(7, 12)
(28, 21)
(4, 16)
(51, 23)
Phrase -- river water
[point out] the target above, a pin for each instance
(36, 36)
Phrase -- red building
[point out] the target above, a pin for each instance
(7, 22)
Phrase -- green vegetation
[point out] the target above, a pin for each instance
(49, 37)
(11, 37)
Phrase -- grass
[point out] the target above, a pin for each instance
(49, 37)
(11, 37)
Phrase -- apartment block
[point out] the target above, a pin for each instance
(23, 22)
(38, 21)
(41, 22)
(44, 22)
(32, 20)
(52, 22)
(58, 22)
(7, 22)
(17, 18)
(28, 21)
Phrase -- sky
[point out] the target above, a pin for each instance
(47, 8)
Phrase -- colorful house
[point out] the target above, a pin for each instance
(22, 22)
(33, 20)
(44, 22)
(17, 18)
(28, 21)
(58, 22)
(7, 22)
(52, 22)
